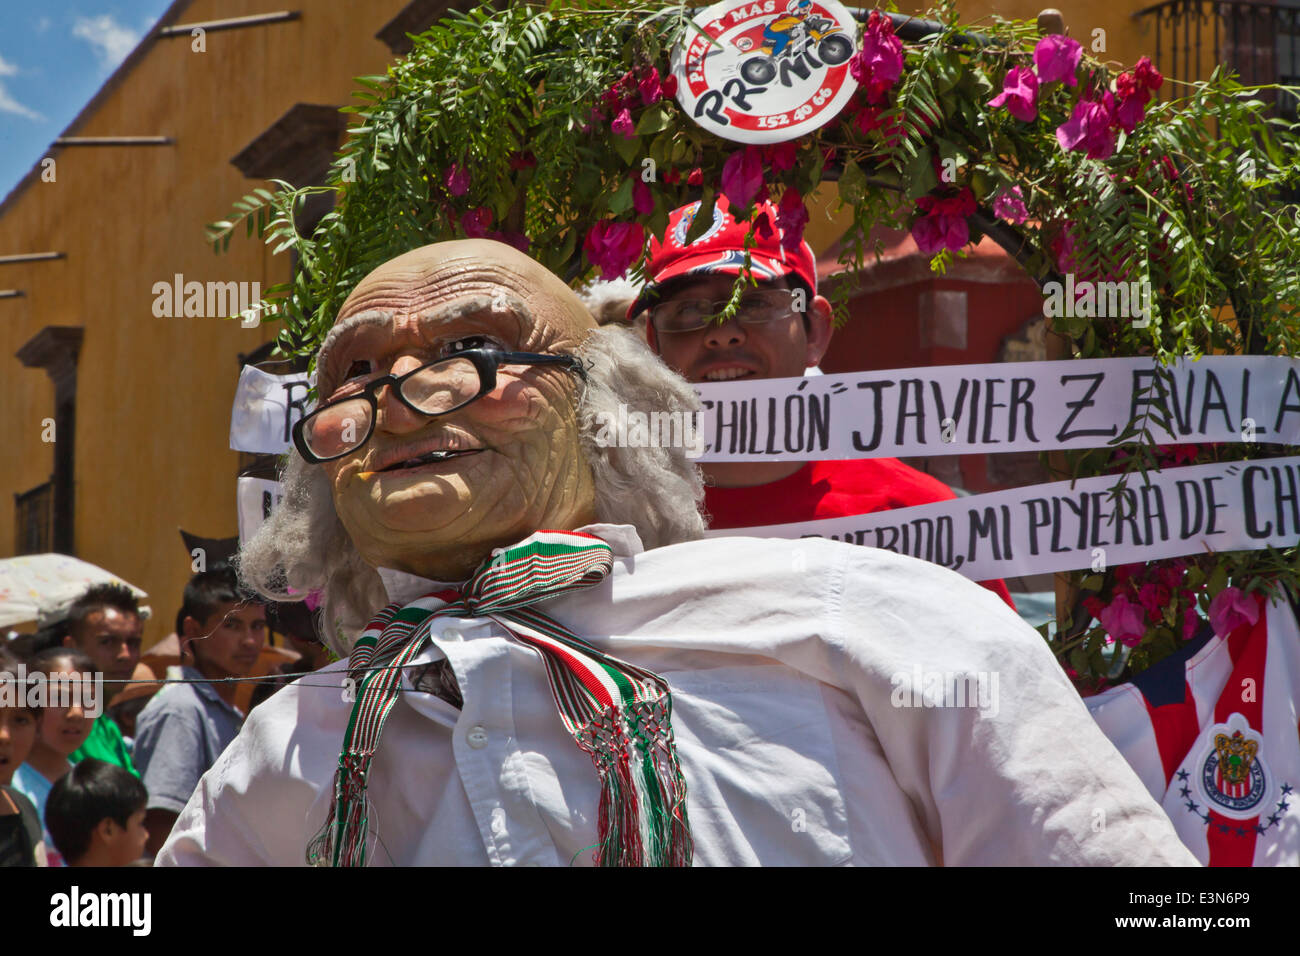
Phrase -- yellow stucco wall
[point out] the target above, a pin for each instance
(154, 394)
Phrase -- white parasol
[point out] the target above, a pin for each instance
(41, 587)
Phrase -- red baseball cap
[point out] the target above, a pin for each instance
(720, 250)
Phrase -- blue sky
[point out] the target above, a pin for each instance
(54, 55)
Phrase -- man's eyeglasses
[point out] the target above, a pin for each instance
(438, 388)
(691, 315)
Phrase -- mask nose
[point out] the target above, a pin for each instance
(393, 415)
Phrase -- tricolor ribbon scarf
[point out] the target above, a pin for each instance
(620, 714)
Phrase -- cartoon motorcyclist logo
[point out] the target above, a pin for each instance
(776, 34)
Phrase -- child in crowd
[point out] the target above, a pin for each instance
(20, 822)
(95, 814)
(62, 728)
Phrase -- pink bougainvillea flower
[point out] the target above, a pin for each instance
(1230, 609)
(524, 160)
(1178, 454)
(1153, 597)
(1089, 128)
(1056, 57)
(1010, 205)
(742, 177)
(1133, 91)
(672, 177)
(623, 125)
(943, 222)
(868, 118)
(652, 90)
(1171, 573)
(668, 86)
(476, 222)
(1131, 111)
(1191, 621)
(1148, 75)
(1019, 94)
(1063, 246)
(456, 179)
(614, 246)
(1126, 571)
(1132, 98)
(879, 61)
(791, 218)
(643, 201)
(780, 157)
(695, 178)
(1123, 620)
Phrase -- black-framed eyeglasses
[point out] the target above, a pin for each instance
(690, 315)
(438, 388)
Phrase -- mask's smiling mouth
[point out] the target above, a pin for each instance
(437, 456)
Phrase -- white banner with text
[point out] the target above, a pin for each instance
(255, 497)
(266, 409)
(1067, 526)
(1001, 407)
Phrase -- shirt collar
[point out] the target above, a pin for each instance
(405, 587)
(204, 689)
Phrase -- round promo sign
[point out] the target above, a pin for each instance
(764, 71)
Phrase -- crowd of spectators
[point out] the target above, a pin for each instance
(98, 753)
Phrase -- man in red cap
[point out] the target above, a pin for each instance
(781, 328)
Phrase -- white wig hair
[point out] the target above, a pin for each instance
(608, 299)
(303, 545)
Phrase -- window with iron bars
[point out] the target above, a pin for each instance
(1260, 42)
(34, 520)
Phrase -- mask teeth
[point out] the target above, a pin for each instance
(437, 455)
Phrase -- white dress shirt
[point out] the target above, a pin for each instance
(787, 661)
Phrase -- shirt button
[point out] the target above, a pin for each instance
(477, 737)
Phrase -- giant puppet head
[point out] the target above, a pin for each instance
(420, 460)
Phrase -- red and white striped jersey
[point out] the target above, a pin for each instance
(1213, 732)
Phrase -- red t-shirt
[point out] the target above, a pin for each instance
(831, 489)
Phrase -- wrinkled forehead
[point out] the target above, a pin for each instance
(469, 286)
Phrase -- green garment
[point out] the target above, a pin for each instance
(105, 743)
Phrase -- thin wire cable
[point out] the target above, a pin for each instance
(265, 678)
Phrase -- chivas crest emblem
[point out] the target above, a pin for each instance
(1231, 774)
(688, 217)
(1236, 758)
